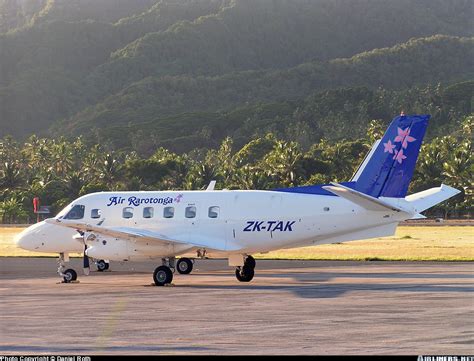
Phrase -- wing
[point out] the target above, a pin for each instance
(136, 234)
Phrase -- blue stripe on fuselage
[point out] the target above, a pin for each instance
(314, 189)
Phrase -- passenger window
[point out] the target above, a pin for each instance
(76, 212)
(190, 212)
(213, 212)
(168, 212)
(148, 212)
(95, 213)
(127, 212)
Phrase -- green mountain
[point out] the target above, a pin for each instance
(185, 73)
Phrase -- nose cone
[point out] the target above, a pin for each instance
(45, 237)
(27, 238)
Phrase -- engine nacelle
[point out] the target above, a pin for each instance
(117, 249)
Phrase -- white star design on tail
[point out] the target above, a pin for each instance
(404, 137)
(388, 147)
(399, 156)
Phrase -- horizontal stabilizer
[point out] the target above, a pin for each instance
(431, 197)
(418, 216)
(363, 200)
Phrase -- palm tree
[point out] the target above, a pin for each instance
(110, 170)
(62, 157)
(250, 177)
(74, 183)
(10, 177)
(282, 163)
(12, 209)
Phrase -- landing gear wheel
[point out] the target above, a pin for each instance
(102, 265)
(250, 262)
(184, 266)
(162, 276)
(69, 275)
(244, 274)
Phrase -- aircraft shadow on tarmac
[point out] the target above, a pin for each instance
(312, 285)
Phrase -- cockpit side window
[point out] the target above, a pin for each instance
(95, 213)
(76, 212)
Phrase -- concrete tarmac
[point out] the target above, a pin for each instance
(291, 307)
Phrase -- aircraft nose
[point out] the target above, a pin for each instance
(27, 239)
(24, 240)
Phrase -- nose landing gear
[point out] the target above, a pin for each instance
(68, 275)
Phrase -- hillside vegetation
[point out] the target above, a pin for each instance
(83, 64)
(256, 94)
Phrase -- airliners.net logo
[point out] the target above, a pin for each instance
(445, 358)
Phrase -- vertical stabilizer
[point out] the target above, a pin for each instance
(390, 169)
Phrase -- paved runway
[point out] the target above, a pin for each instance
(291, 307)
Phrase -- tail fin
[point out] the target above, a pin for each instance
(390, 169)
(365, 161)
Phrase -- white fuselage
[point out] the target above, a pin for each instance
(236, 221)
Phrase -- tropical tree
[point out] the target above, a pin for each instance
(109, 170)
(11, 178)
(62, 157)
(12, 210)
(283, 163)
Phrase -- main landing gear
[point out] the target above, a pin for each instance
(163, 274)
(184, 266)
(102, 265)
(68, 275)
(246, 272)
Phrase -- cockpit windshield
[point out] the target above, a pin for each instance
(76, 212)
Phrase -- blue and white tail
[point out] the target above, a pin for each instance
(389, 171)
(382, 181)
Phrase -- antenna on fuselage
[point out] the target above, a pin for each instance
(211, 186)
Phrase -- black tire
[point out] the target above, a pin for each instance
(102, 265)
(184, 266)
(162, 276)
(244, 274)
(250, 262)
(69, 275)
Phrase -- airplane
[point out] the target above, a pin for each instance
(235, 224)
(50, 238)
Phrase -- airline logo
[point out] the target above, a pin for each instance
(136, 201)
(402, 137)
(269, 226)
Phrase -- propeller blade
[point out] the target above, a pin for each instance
(85, 261)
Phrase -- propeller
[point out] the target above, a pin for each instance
(80, 236)
(85, 262)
